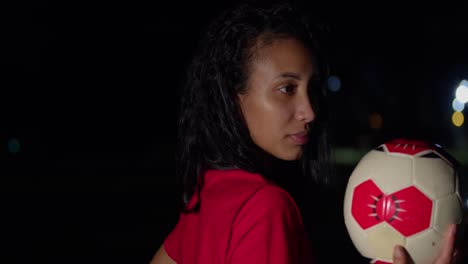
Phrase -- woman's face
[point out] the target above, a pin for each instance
(276, 103)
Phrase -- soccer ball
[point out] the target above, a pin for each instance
(403, 192)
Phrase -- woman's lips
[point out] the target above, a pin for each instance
(300, 138)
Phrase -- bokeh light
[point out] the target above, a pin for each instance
(462, 92)
(458, 119)
(14, 146)
(334, 83)
(375, 121)
(457, 105)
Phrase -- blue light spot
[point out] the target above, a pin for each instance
(14, 145)
(457, 105)
(334, 83)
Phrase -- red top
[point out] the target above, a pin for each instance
(243, 219)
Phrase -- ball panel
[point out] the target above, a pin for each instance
(435, 177)
(424, 246)
(357, 235)
(413, 213)
(379, 261)
(447, 211)
(408, 147)
(362, 171)
(382, 239)
(383, 168)
(364, 204)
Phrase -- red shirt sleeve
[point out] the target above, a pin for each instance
(268, 229)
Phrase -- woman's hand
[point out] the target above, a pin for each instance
(448, 255)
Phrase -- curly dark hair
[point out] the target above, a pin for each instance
(212, 132)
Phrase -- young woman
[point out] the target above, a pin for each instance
(254, 98)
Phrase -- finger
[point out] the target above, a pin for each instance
(456, 256)
(449, 245)
(400, 256)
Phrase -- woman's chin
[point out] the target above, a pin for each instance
(290, 156)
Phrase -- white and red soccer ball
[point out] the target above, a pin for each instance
(404, 192)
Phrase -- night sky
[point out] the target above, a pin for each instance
(89, 96)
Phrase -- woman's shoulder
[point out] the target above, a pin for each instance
(269, 207)
(272, 199)
(240, 187)
(257, 191)
(233, 179)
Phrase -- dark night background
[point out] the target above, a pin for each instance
(89, 94)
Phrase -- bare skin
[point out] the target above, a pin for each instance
(276, 105)
(161, 257)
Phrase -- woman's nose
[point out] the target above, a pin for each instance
(305, 112)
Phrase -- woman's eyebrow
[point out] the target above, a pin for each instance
(295, 76)
(289, 75)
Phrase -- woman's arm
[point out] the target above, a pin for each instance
(161, 257)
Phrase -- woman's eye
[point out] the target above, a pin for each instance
(288, 89)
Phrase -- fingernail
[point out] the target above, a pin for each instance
(398, 252)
